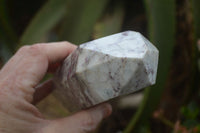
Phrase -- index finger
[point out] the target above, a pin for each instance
(28, 66)
(55, 52)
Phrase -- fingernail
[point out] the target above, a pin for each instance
(107, 110)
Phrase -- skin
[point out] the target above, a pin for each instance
(19, 91)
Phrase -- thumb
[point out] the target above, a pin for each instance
(81, 122)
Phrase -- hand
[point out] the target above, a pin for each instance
(19, 89)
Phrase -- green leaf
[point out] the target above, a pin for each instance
(161, 19)
(191, 111)
(80, 19)
(197, 128)
(44, 21)
(196, 11)
(7, 34)
(196, 55)
(111, 22)
(190, 123)
(5, 52)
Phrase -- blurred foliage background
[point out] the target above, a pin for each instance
(172, 105)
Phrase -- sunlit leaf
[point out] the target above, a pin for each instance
(80, 20)
(111, 22)
(46, 18)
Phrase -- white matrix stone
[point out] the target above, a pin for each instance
(105, 68)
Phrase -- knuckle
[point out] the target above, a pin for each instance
(23, 49)
(30, 49)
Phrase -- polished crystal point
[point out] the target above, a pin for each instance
(105, 68)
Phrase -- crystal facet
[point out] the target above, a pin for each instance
(105, 68)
